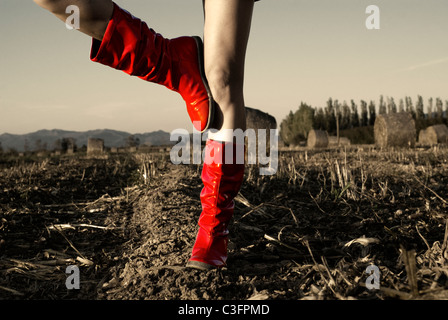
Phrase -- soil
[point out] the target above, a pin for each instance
(128, 222)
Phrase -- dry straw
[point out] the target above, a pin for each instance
(95, 145)
(433, 135)
(317, 139)
(259, 120)
(395, 130)
(334, 141)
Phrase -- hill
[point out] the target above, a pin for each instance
(48, 139)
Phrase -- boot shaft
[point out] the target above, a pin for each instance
(131, 46)
(222, 182)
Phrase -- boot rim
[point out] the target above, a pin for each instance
(211, 103)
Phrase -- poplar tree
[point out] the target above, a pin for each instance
(319, 119)
(410, 107)
(391, 106)
(446, 112)
(401, 106)
(345, 116)
(330, 117)
(420, 114)
(364, 121)
(372, 113)
(382, 106)
(419, 109)
(354, 120)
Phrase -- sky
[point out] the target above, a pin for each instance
(299, 51)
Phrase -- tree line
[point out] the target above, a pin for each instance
(355, 121)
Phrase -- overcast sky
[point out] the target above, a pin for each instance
(299, 50)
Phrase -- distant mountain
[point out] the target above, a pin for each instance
(48, 139)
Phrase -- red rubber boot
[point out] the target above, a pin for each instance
(222, 182)
(131, 46)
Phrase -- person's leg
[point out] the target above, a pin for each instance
(124, 42)
(94, 15)
(226, 32)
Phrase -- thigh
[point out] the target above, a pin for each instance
(226, 33)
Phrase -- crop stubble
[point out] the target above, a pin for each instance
(308, 232)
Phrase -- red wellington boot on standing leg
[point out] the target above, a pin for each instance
(131, 46)
(222, 181)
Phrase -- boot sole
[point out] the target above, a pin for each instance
(211, 108)
(200, 265)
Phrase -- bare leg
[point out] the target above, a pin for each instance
(226, 33)
(126, 43)
(94, 15)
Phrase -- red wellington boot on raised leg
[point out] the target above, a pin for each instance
(178, 64)
(222, 180)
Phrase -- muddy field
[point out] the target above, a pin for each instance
(128, 222)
